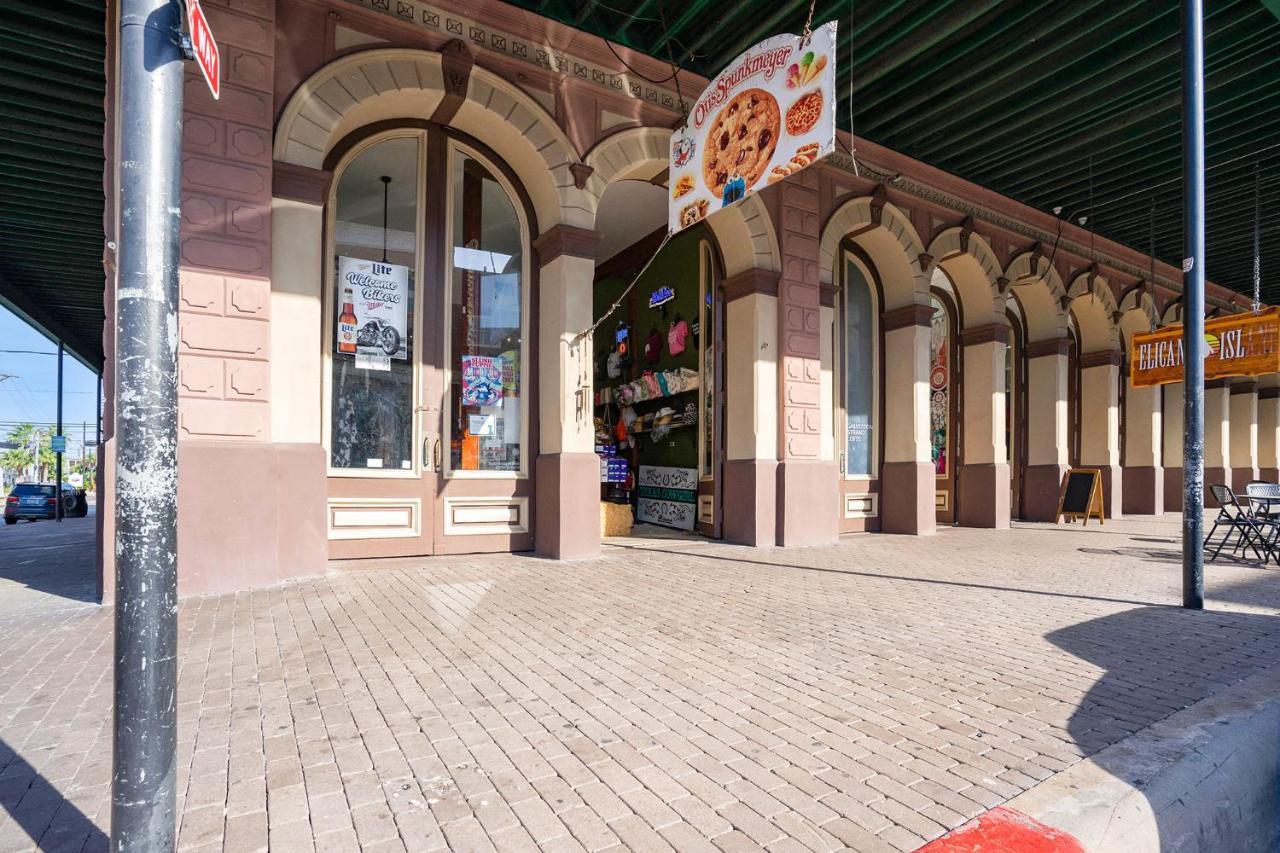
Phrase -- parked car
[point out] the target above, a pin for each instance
(36, 500)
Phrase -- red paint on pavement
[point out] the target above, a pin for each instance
(1003, 830)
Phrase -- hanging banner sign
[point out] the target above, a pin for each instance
(378, 295)
(768, 115)
(1236, 345)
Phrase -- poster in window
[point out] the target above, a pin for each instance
(376, 294)
(481, 380)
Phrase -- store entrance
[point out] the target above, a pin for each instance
(658, 374)
(430, 406)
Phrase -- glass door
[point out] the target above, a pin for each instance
(381, 472)
(486, 429)
(430, 405)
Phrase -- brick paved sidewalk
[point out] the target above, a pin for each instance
(687, 695)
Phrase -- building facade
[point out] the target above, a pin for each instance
(878, 345)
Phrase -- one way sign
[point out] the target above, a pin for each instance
(203, 47)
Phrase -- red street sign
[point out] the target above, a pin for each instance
(204, 47)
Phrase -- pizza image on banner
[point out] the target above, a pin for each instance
(768, 115)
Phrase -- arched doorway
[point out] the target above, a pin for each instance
(429, 401)
(1073, 394)
(859, 389)
(946, 374)
(658, 367)
(1015, 389)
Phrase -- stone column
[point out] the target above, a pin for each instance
(983, 479)
(1244, 433)
(751, 402)
(234, 259)
(1143, 465)
(1048, 432)
(1269, 434)
(567, 523)
(1100, 423)
(808, 485)
(907, 481)
(1217, 435)
(1172, 450)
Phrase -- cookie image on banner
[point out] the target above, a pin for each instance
(741, 140)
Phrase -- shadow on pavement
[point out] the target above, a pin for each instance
(1157, 661)
(774, 564)
(56, 559)
(51, 820)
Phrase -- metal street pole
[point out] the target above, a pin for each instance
(57, 465)
(1193, 304)
(145, 736)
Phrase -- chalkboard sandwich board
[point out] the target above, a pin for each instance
(1081, 495)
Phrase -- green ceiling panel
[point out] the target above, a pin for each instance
(1074, 104)
(52, 86)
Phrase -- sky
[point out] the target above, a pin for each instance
(30, 395)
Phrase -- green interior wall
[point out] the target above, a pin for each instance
(675, 266)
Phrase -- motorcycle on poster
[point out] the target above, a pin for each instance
(375, 297)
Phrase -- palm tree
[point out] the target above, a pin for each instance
(18, 461)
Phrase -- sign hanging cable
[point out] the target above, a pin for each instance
(1257, 239)
(586, 333)
(808, 23)
(675, 75)
(675, 70)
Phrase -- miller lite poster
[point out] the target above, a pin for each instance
(373, 296)
(769, 114)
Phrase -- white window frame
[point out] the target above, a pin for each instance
(456, 149)
(841, 367)
(330, 311)
(706, 336)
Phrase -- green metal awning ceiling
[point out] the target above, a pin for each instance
(1030, 98)
(1027, 97)
(52, 85)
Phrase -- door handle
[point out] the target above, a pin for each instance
(431, 453)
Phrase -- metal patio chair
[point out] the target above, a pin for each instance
(1263, 499)
(1256, 534)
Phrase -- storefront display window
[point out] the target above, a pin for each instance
(706, 332)
(486, 322)
(375, 241)
(939, 386)
(859, 372)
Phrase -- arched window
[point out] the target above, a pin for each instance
(375, 262)
(707, 334)
(860, 368)
(488, 318)
(940, 376)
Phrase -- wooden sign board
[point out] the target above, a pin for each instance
(1081, 495)
(1237, 345)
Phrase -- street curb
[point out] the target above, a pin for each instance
(1202, 779)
